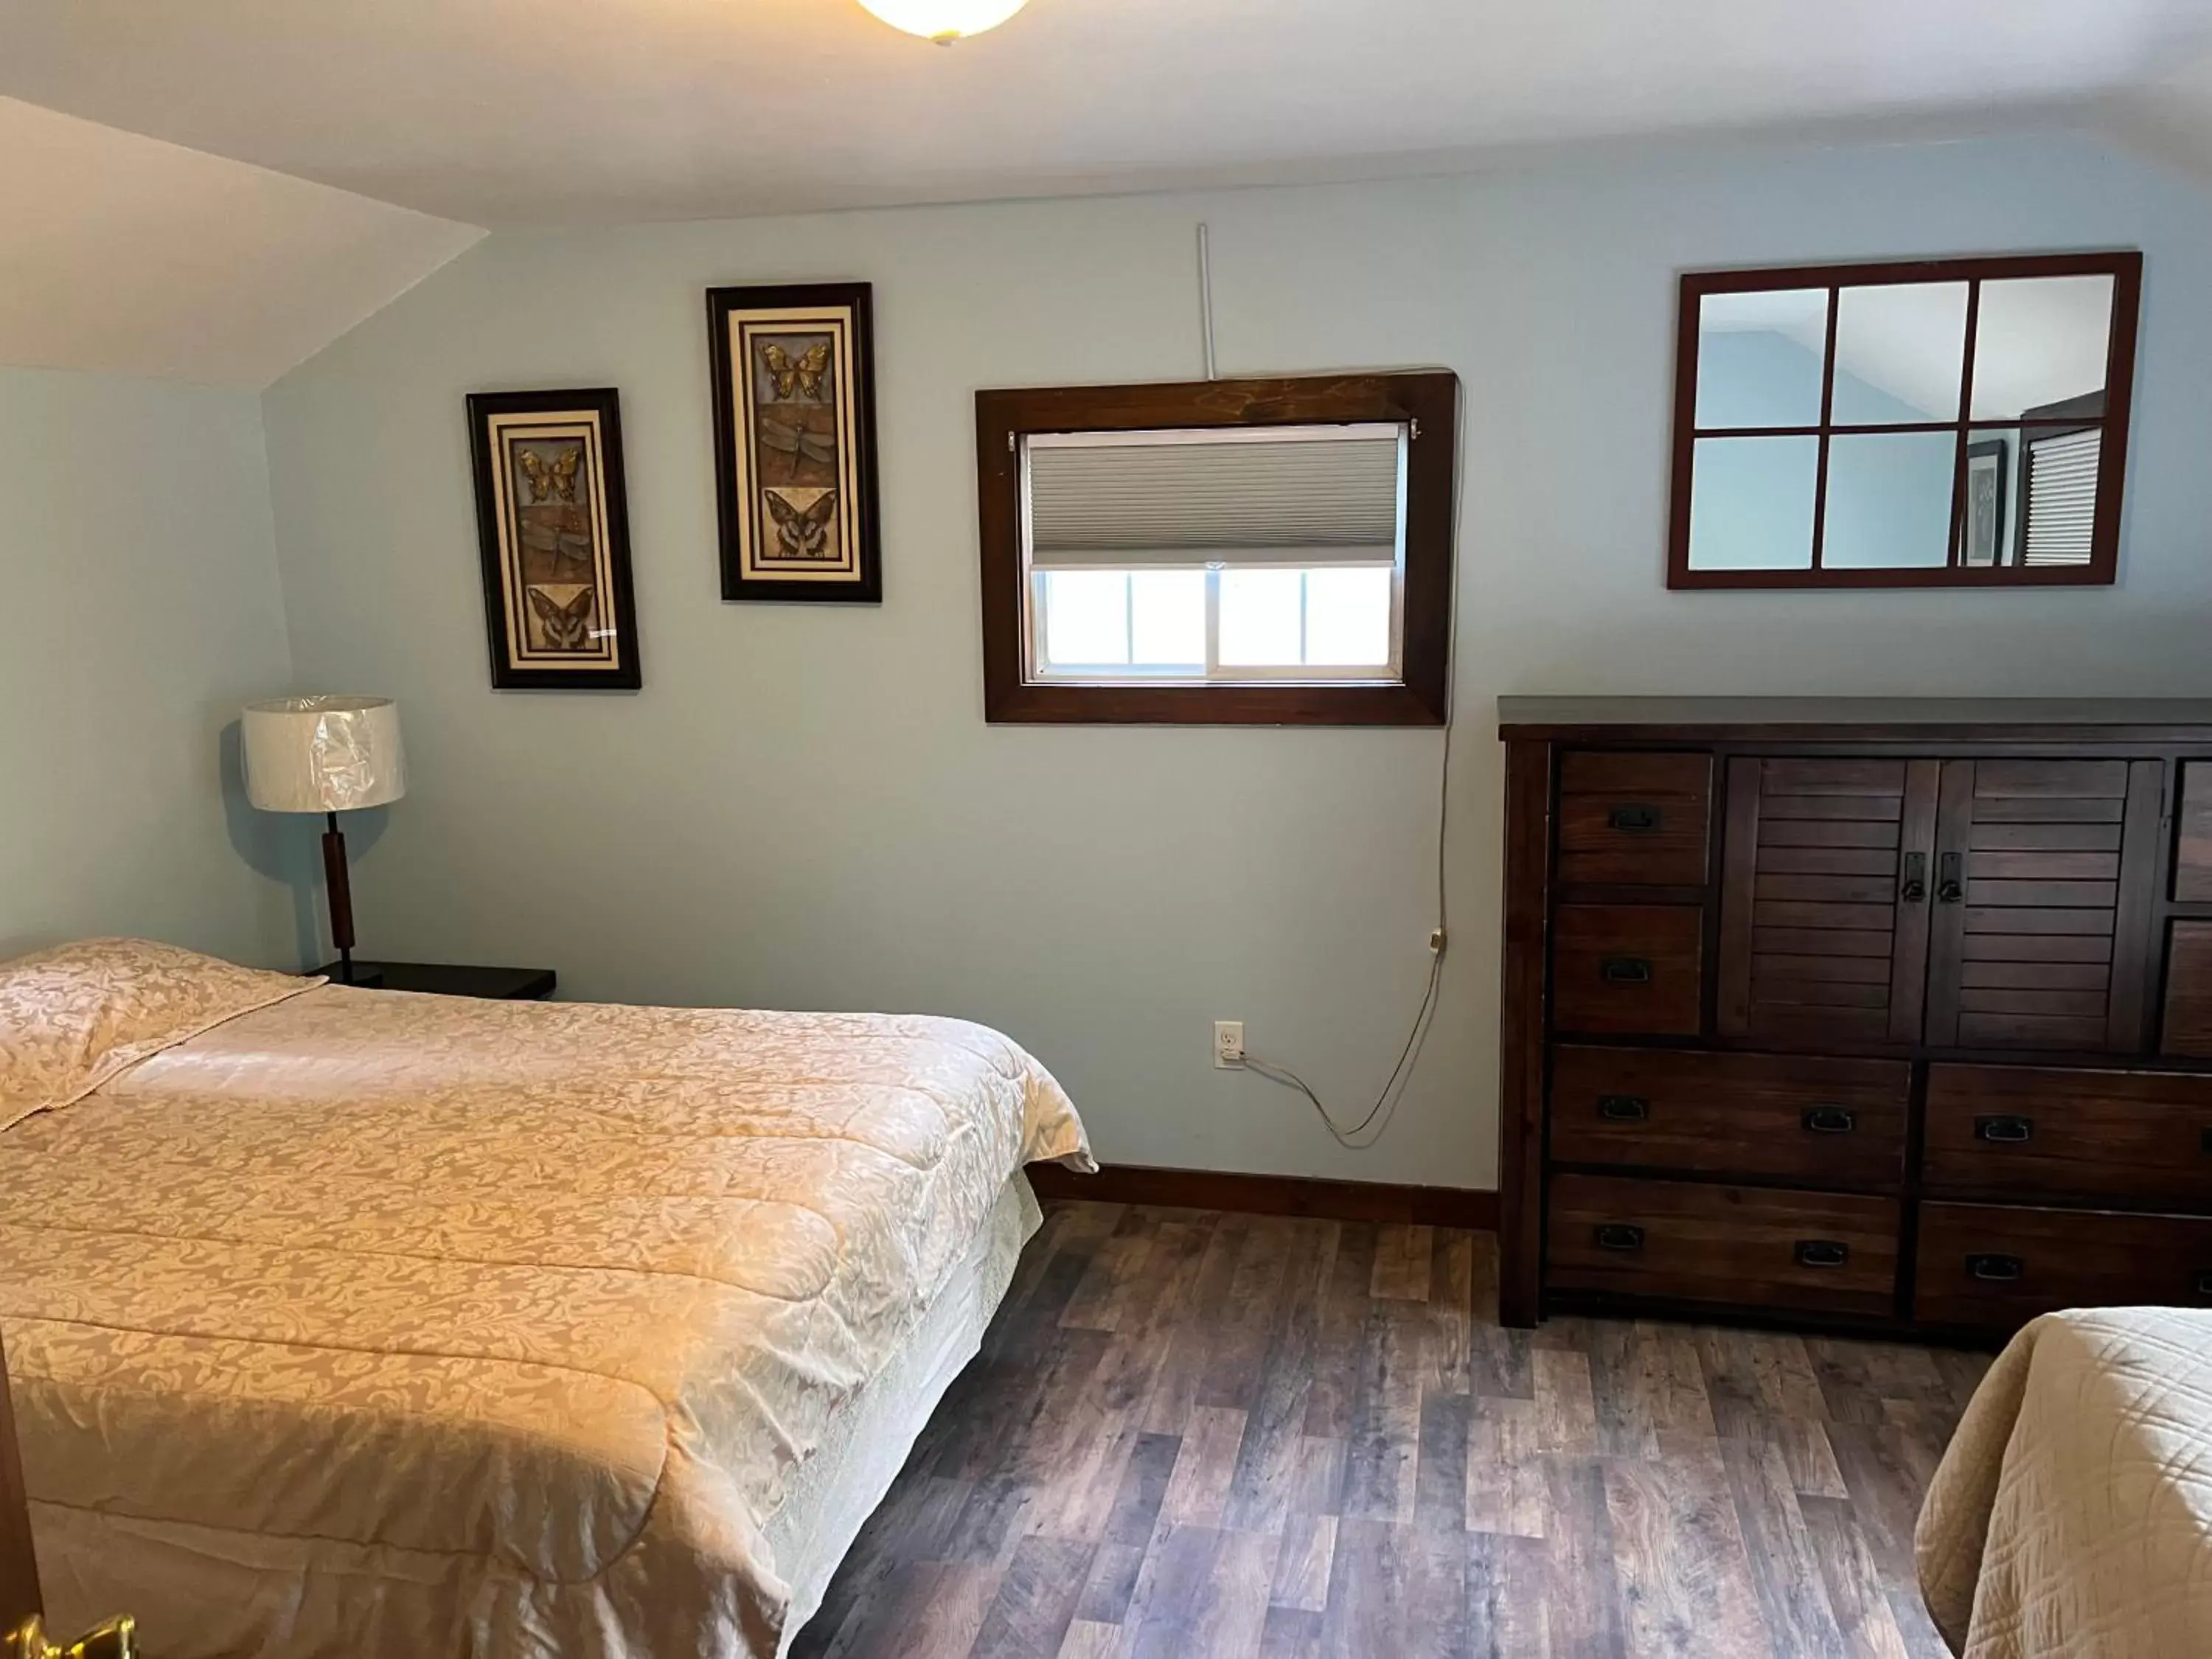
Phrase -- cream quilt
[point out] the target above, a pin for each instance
(2071, 1517)
(349, 1322)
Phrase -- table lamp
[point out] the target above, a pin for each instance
(327, 755)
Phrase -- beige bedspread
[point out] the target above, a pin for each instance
(2071, 1517)
(351, 1323)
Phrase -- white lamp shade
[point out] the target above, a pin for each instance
(323, 754)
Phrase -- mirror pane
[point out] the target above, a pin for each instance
(1889, 500)
(1751, 503)
(1900, 353)
(1759, 356)
(1990, 516)
(2039, 347)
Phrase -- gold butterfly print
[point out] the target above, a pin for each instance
(804, 376)
(803, 534)
(566, 626)
(557, 483)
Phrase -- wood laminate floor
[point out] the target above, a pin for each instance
(1201, 1434)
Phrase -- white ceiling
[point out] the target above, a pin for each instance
(133, 257)
(506, 112)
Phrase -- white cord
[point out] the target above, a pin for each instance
(1205, 299)
(1288, 1078)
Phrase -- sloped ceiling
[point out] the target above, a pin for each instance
(513, 112)
(127, 255)
(339, 154)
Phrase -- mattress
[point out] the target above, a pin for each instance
(362, 1323)
(2071, 1516)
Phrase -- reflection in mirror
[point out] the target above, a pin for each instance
(1889, 500)
(1759, 358)
(2039, 347)
(1752, 503)
(1900, 353)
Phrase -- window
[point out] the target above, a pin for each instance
(1952, 422)
(1164, 553)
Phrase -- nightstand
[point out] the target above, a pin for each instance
(440, 979)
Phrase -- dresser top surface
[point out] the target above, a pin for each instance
(2088, 718)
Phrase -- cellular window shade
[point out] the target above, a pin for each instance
(1297, 495)
(2062, 497)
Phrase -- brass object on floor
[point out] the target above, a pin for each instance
(116, 1639)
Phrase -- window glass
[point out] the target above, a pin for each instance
(1167, 618)
(1262, 618)
(1086, 616)
(1348, 618)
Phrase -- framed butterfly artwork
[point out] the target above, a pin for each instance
(795, 441)
(553, 528)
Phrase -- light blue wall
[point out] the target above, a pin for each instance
(143, 607)
(804, 806)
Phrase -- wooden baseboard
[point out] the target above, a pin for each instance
(1262, 1194)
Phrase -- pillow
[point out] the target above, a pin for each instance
(73, 1017)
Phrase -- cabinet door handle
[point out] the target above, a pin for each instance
(1623, 1108)
(1994, 1269)
(1949, 889)
(1822, 1253)
(1829, 1120)
(1619, 1235)
(2005, 1130)
(1915, 890)
(2203, 1284)
(1625, 970)
(1634, 818)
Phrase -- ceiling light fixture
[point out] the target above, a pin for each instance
(944, 20)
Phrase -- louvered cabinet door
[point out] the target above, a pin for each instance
(1828, 871)
(2045, 877)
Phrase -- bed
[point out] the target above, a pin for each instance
(353, 1322)
(2071, 1516)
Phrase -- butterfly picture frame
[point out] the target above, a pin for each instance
(553, 532)
(793, 375)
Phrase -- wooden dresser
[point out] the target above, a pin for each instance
(1864, 1014)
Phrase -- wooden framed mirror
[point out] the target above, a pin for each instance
(1943, 422)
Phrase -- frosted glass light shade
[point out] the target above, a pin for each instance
(944, 20)
(323, 754)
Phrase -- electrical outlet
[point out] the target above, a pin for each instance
(1228, 1043)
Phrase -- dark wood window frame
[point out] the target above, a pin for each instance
(1428, 400)
(2123, 266)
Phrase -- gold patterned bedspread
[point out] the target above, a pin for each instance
(357, 1322)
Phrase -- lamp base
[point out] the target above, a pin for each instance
(362, 976)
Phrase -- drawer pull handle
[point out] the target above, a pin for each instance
(1619, 1235)
(1950, 889)
(1994, 1269)
(1624, 1108)
(2205, 1141)
(1625, 970)
(2006, 1131)
(1636, 820)
(2204, 1285)
(1915, 890)
(1830, 1120)
(1822, 1253)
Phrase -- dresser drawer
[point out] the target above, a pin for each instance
(2189, 990)
(1631, 969)
(1640, 819)
(1819, 1252)
(2192, 856)
(1996, 1266)
(1837, 1122)
(2021, 1129)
